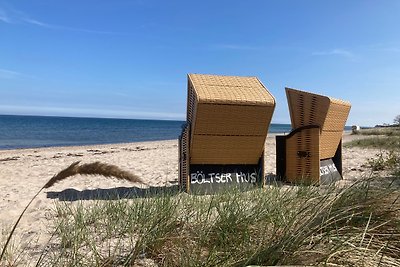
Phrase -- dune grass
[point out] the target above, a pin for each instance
(387, 131)
(358, 225)
(387, 138)
(377, 142)
(96, 168)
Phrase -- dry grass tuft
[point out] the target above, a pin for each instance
(96, 168)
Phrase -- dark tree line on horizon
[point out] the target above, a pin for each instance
(396, 120)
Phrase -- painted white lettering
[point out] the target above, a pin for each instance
(228, 177)
(324, 170)
(200, 177)
(223, 177)
(193, 178)
(237, 177)
(211, 176)
(332, 168)
(218, 178)
(253, 177)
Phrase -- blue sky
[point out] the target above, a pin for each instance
(129, 59)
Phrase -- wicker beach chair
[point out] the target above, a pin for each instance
(222, 142)
(312, 152)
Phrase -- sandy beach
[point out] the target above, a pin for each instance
(24, 171)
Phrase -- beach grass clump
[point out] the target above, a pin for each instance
(388, 142)
(383, 138)
(387, 131)
(96, 168)
(353, 226)
(377, 142)
(9, 258)
(385, 160)
(15, 253)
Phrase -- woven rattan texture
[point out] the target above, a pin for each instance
(306, 108)
(329, 114)
(190, 104)
(233, 120)
(230, 90)
(302, 157)
(184, 159)
(209, 149)
(230, 117)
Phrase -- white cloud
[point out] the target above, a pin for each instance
(59, 27)
(36, 22)
(335, 52)
(12, 16)
(9, 74)
(3, 17)
(237, 47)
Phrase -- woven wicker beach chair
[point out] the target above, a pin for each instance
(222, 142)
(312, 152)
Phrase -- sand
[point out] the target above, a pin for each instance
(24, 171)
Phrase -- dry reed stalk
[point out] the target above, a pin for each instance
(96, 168)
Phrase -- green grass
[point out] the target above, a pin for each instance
(16, 252)
(382, 138)
(380, 142)
(358, 225)
(387, 140)
(387, 131)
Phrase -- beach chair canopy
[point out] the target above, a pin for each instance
(227, 124)
(329, 114)
(229, 119)
(314, 145)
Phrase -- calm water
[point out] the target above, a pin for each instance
(37, 131)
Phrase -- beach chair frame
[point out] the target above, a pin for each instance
(224, 136)
(312, 152)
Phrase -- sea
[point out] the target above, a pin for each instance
(41, 131)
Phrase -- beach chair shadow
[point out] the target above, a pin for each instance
(312, 152)
(116, 193)
(222, 142)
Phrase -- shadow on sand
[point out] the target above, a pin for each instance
(112, 193)
(116, 193)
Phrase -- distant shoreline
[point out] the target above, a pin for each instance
(19, 132)
(347, 136)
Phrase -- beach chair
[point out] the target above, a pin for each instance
(222, 142)
(312, 152)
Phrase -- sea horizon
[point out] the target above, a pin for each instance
(36, 131)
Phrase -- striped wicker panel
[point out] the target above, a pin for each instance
(230, 117)
(230, 90)
(337, 115)
(209, 149)
(302, 157)
(190, 104)
(328, 113)
(306, 108)
(184, 159)
(233, 119)
(329, 142)
(332, 131)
